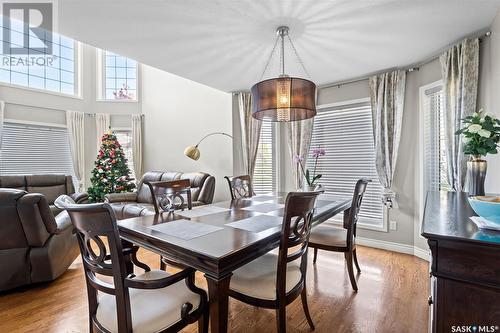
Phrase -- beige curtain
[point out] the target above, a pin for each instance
(137, 143)
(387, 93)
(2, 108)
(299, 142)
(75, 122)
(102, 124)
(460, 71)
(250, 132)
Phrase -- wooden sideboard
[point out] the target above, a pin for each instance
(465, 267)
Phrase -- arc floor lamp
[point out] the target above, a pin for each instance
(194, 153)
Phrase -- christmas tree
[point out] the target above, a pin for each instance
(111, 173)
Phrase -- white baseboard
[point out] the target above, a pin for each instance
(396, 247)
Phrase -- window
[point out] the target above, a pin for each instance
(33, 149)
(54, 72)
(264, 175)
(434, 153)
(345, 131)
(119, 77)
(124, 137)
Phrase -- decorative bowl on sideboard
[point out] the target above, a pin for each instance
(488, 207)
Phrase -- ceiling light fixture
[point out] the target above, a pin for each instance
(284, 98)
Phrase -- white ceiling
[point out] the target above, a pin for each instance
(225, 44)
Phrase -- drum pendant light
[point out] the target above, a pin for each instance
(284, 98)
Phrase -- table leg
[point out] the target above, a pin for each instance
(218, 289)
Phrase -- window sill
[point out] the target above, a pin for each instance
(41, 91)
(117, 101)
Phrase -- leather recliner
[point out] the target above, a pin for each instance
(139, 203)
(50, 185)
(35, 246)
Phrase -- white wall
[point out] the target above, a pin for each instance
(492, 104)
(40, 106)
(178, 113)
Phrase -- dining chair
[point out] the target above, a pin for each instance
(154, 301)
(342, 239)
(275, 280)
(171, 195)
(240, 186)
(168, 196)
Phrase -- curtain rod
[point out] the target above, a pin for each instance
(411, 68)
(63, 110)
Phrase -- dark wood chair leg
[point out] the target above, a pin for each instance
(203, 322)
(348, 260)
(281, 319)
(315, 255)
(303, 295)
(163, 266)
(355, 257)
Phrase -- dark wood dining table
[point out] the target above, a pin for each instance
(217, 254)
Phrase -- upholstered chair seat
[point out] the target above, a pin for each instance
(258, 278)
(329, 235)
(152, 310)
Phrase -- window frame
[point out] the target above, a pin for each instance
(338, 220)
(77, 47)
(275, 156)
(129, 130)
(421, 98)
(101, 79)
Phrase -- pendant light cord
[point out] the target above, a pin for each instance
(269, 59)
(298, 57)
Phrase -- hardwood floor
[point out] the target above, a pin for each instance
(392, 297)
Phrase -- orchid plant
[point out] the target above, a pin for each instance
(481, 134)
(311, 178)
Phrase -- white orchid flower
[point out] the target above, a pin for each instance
(474, 128)
(484, 133)
(475, 114)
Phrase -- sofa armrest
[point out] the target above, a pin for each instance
(36, 218)
(80, 198)
(207, 190)
(63, 222)
(121, 197)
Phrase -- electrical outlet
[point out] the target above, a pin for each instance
(393, 225)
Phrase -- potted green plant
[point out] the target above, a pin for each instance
(311, 177)
(481, 134)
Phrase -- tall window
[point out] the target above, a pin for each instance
(264, 175)
(120, 77)
(54, 72)
(124, 137)
(434, 152)
(30, 149)
(346, 134)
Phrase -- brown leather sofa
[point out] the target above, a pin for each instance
(35, 246)
(140, 203)
(50, 185)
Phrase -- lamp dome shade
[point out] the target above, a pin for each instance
(192, 152)
(284, 99)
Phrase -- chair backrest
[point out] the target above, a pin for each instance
(297, 219)
(169, 195)
(96, 226)
(240, 186)
(351, 215)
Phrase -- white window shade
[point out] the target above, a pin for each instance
(434, 148)
(124, 137)
(346, 134)
(264, 176)
(30, 149)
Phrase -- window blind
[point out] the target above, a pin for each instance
(30, 149)
(347, 135)
(264, 175)
(125, 140)
(435, 162)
